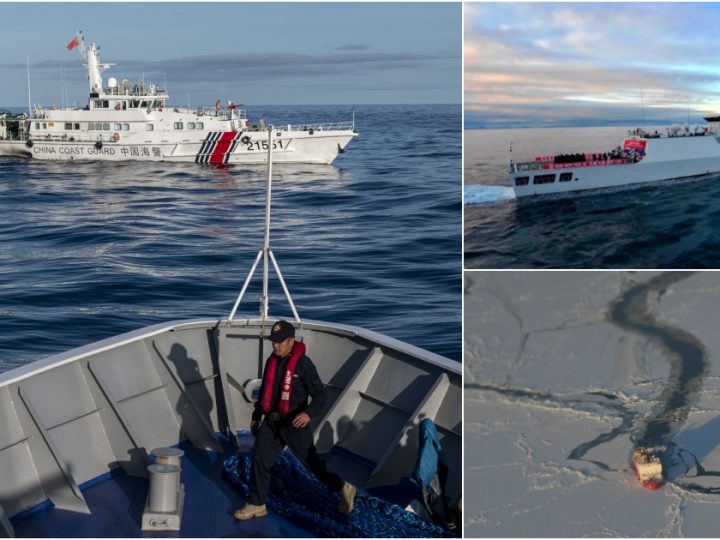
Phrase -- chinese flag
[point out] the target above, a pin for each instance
(74, 43)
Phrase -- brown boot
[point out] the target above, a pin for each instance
(347, 498)
(250, 511)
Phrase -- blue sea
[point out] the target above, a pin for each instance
(91, 250)
(659, 225)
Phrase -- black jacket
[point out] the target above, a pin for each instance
(306, 384)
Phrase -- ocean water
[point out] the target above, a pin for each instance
(660, 225)
(91, 250)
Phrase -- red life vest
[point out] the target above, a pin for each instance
(283, 404)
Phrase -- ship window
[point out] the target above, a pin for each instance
(543, 179)
(149, 127)
(199, 125)
(76, 126)
(68, 125)
(106, 127)
(44, 125)
(191, 125)
(91, 126)
(37, 125)
(566, 177)
(126, 127)
(522, 180)
(117, 127)
(178, 125)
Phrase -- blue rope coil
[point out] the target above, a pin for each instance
(297, 495)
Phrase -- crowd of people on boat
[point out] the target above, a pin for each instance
(580, 158)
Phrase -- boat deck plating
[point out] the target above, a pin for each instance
(117, 501)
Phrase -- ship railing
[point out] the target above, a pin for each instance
(93, 137)
(225, 114)
(9, 131)
(544, 165)
(328, 126)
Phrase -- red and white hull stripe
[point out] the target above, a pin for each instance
(217, 147)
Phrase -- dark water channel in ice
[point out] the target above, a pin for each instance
(686, 354)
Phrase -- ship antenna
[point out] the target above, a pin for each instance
(28, 77)
(642, 105)
(266, 253)
(81, 43)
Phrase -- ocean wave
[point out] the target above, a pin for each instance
(488, 194)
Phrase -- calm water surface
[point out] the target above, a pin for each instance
(662, 225)
(95, 249)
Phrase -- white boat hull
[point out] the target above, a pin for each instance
(666, 159)
(76, 416)
(245, 148)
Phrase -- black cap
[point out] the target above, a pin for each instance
(281, 330)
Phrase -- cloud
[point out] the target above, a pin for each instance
(238, 69)
(274, 66)
(533, 59)
(352, 48)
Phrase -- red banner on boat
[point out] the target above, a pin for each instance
(74, 43)
(584, 164)
(635, 144)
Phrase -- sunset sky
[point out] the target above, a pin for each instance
(582, 64)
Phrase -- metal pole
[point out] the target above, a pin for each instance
(29, 100)
(282, 282)
(266, 243)
(247, 281)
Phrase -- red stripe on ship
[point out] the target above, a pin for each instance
(222, 147)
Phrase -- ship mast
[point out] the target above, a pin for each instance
(91, 55)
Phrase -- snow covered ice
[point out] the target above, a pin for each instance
(565, 373)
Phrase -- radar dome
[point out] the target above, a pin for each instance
(112, 82)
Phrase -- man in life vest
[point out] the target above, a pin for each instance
(218, 106)
(283, 415)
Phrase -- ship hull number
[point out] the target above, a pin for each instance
(263, 145)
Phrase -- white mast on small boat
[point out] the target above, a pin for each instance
(266, 253)
(28, 75)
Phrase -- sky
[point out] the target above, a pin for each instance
(252, 53)
(590, 64)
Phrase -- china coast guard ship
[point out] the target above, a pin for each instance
(679, 153)
(126, 121)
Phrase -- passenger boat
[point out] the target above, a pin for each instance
(134, 121)
(647, 464)
(679, 153)
(77, 429)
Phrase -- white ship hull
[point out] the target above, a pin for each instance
(665, 159)
(244, 148)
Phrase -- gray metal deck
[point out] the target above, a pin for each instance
(72, 418)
